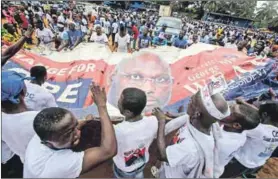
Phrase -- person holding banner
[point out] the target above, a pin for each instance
(193, 153)
(262, 141)
(49, 153)
(37, 97)
(243, 117)
(17, 122)
(133, 149)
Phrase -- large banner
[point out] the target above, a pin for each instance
(169, 76)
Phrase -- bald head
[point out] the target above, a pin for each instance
(145, 71)
(144, 60)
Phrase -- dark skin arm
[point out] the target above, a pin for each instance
(64, 44)
(161, 140)
(108, 147)
(13, 49)
(76, 43)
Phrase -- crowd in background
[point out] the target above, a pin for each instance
(67, 26)
(215, 138)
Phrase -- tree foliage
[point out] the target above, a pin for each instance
(267, 14)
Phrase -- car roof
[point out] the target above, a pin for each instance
(170, 18)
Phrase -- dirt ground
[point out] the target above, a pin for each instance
(270, 169)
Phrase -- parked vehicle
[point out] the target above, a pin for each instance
(174, 26)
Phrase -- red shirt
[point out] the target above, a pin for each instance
(24, 20)
(135, 32)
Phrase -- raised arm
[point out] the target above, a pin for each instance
(13, 49)
(161, 141)
(108, 147)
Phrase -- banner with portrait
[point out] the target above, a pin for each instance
(168, 75)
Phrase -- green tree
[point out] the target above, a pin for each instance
(267, 14)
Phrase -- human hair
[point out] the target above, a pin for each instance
(122, 28)
(271, 109)
(5, 26)
(9, 106)
(134, 100)
(45, 121)
(248, 117)
(38, 72)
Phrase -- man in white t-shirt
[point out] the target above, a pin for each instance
(17, 121)
(259, 145)
(37, 97)
(193, 153)
(115, 28)
(99, 37)
(43, 34)
(243, 118)
(122, 41)
(61, 18)
(133, 149)
(49, 153)
(107, 27)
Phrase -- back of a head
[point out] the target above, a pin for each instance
(38, 72)
(134, 100)
(269, 109)
(248, 118)
(45, 121)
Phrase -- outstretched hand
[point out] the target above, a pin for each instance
(99, 95)
(159, 114)
(29, 31)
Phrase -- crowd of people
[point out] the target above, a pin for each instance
(215, 138)
(65, 27)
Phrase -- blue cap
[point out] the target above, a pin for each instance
(12, 84)
(164, 25)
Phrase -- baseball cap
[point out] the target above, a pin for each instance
(12, 84)
(164, 25)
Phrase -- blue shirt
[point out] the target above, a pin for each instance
(180, 43)
(159, 42)
(144, 41)
(73, 36)
(205, 39)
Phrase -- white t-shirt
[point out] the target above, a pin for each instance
(99, 38)
(61, 19)
(43, 162)
(228, 144)
(44, 35)
(17, 131)
(229, 45)
(106, 27)
(122, 42)
(49, 18)
(115, 27)
(259, 146)
(183, 155)
(6, 153)
(38, 98)
(84, 24)
(133, 144)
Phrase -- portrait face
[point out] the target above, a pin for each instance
(146, 72)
